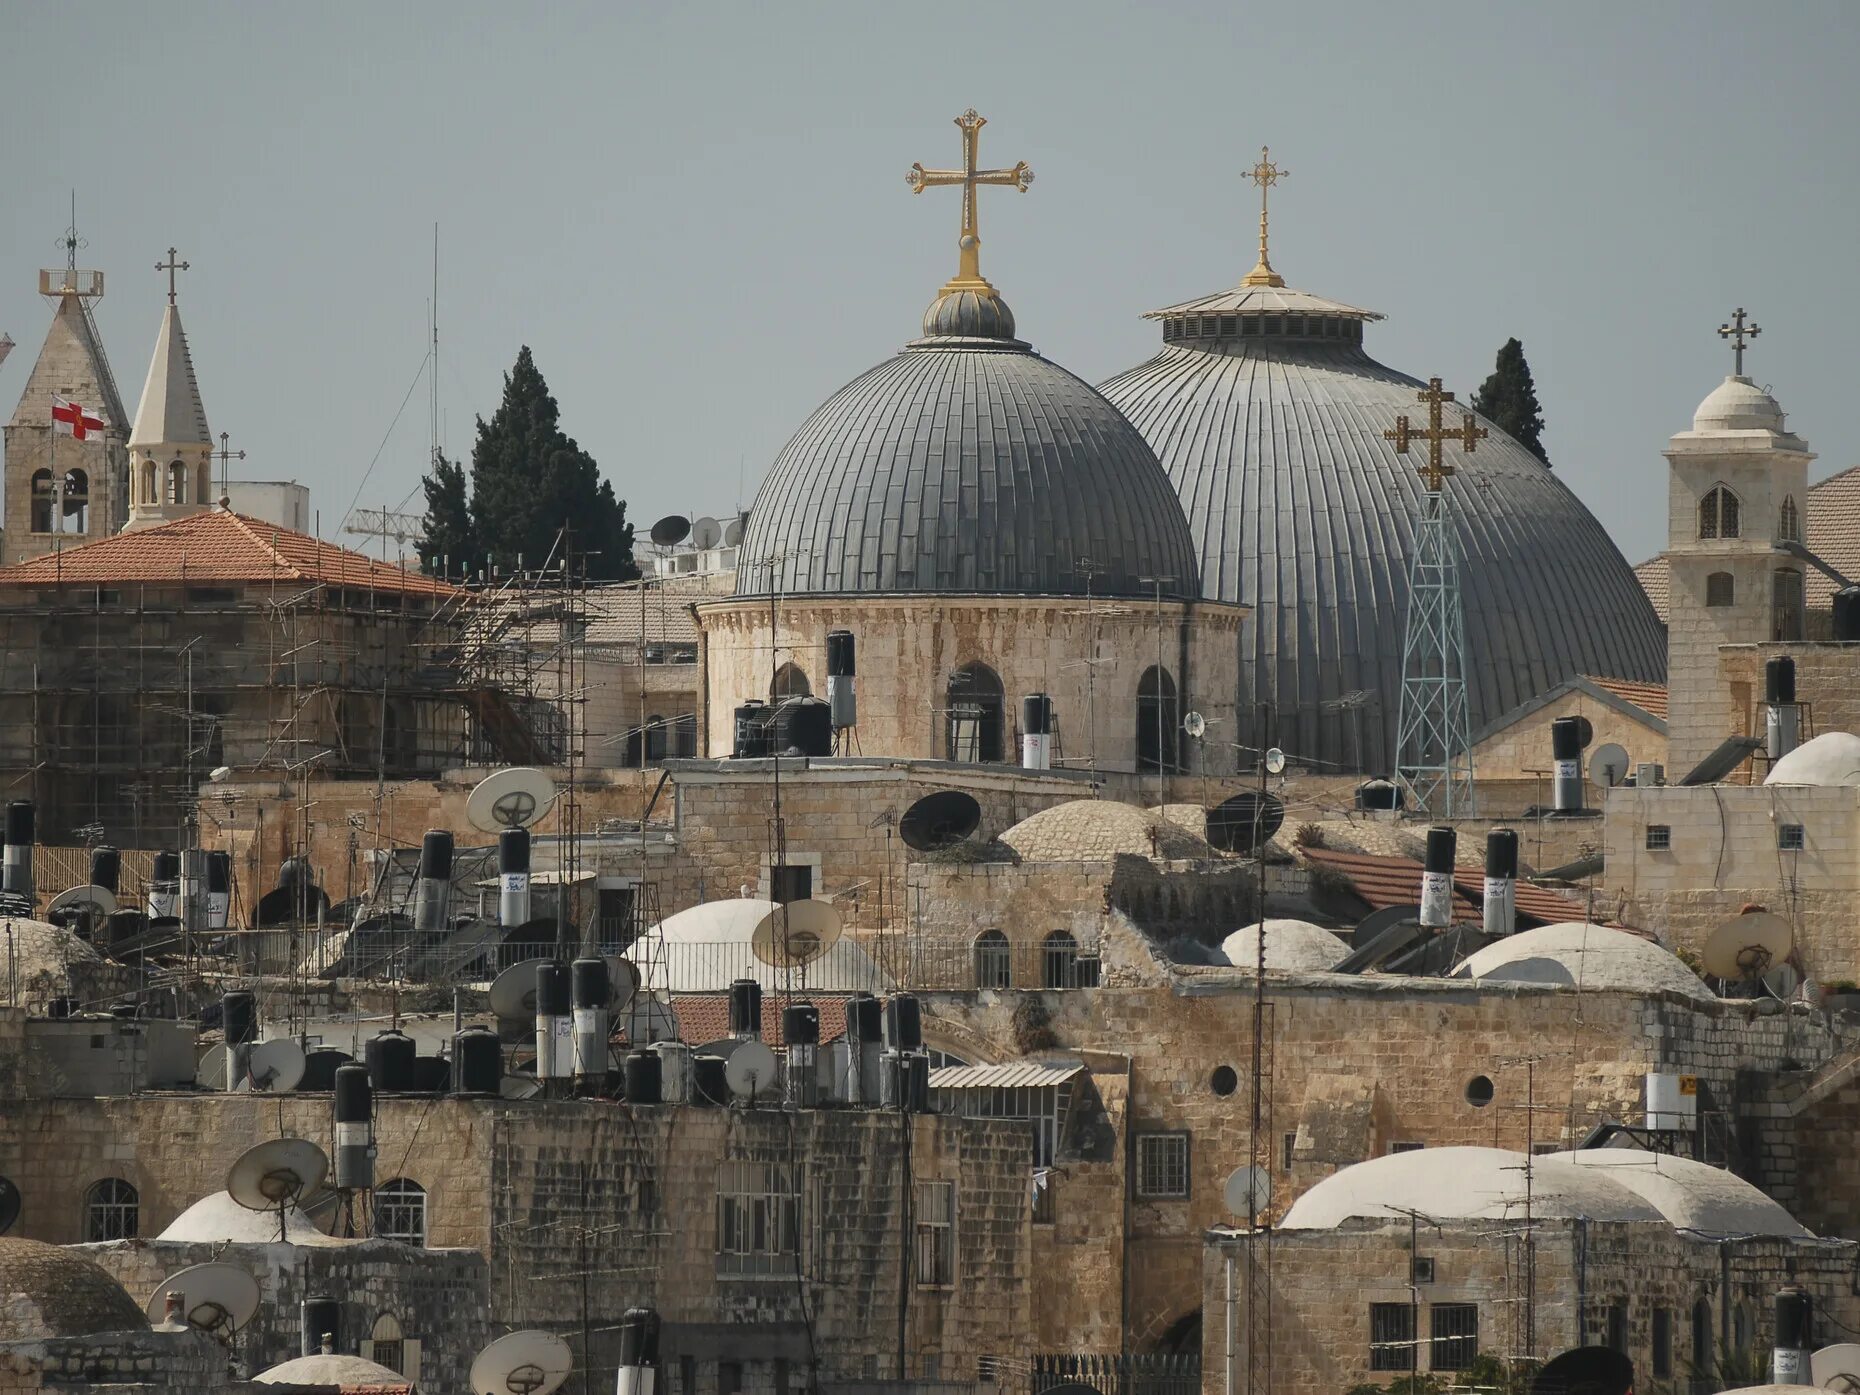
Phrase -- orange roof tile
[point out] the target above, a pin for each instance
(1396, 881)
(1656, 579)
(216, 547)
(705, 1017)
(1648, 697)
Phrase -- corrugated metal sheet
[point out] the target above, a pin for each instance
(1009, 1076)
(1301, 509)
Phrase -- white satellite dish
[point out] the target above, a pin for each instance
(648, 1019)
(522, 1363)
(1836, 1367)
(622, 982)
(276, 1066)
(1275, 761)
(1248, 1191)
(1782, 981)
(1748, 946)
(733, 530)
(795, 934)
(1608, 767)
(210, 1070)
(92, 902)
(750, 1071)
(218, 1297)
(705, 533)
(1195, 725)
(274, 1175)
(513, 798)
(513, 992)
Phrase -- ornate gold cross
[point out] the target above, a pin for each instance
(1265, 174)
(1737, 332)
(969, 271)
(171, 266)
(1404, 434)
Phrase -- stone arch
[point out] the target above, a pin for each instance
(1789, 520)
(1720, 589)
(976, 709)
(177, 483)
(42, 501)
(1159, 722)
(1719, 513)
(789, 681)
(994, 959)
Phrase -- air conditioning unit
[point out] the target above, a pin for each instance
(1648, 774)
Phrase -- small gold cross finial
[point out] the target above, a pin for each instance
(171, 266)
(1737, 332)
(1404, 434)
(969, 267)
(1265, 174)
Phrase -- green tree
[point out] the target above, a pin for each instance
(451, 539)
(1509, 397)
(529, 480)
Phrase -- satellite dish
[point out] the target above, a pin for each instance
(276, 1066)
(648, 1019)
(513, 798)
(513, 992)
(940, 820)
(1782, 981)
(1195, 725)
(274, 1175)
(1748, 946)
(1242, 823)
(522, 1363)
(1248, 1191)
(93, 903)
(219, 1297)
(810, 929)
(9, 1205)
(750, 1071)
(1275, 761)
(706, 532)
(1608, 767)
(1586, 1371)
(1836, 1367)
(210, 1070)
(733, 530)
(622, 981)
(518, 1087)
(671, 530)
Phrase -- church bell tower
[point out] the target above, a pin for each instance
(170, 449)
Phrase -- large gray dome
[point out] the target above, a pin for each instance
(1268, 417)
(967, 464)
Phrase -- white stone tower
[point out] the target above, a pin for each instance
(1737, 491)
(170, 448)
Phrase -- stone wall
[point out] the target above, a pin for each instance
(189, 1361)
(1521, 751)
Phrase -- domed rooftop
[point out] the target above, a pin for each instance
(1691, 1195)
(1571, 953)
(217, 1219)
(1737, 404)
(46, 1291)
(1469, 1184)
(1292, 946)
(844, 968)
(1096, 830)
(967, 464)
(1268, 416)
(1833, 758)
(333, 1369)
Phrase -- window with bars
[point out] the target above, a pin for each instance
(1789, 520)
(1041, 1105)
(993, 960)
(1718, 514)
(1786, 605)
(1659, 837)
(112, 1211)
(1720, 589)
(1162, 1165)
(1454, 1329)
(758, 1218)
(935, 1250)
(1391, 1337)
(1790, 837)
(400, 1211)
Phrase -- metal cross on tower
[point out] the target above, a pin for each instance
(1433, 742)
(1737, 332)
(171, 266)
(1265, 174)
(969, 271)
(226, 457)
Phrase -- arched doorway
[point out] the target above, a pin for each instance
(975, 710)
(1159, 723)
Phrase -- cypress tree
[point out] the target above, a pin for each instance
(1509, 397)
(450, 535)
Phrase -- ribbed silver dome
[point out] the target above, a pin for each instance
(1270, 427)
(967, 464)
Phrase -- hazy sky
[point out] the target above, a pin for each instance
(696, 215)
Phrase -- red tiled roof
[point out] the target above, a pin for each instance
(1656, 579)
(1396, 881)
(1648, 697)
(705, 1017)
(215, 547)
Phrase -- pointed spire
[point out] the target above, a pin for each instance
(171, 413)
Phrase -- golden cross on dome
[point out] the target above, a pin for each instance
(1737, 332)
(1404, 434)
(171, 266)
(1265, 174)
(969, 269)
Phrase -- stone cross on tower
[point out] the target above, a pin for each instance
(225, 457)
(1265, 174)
(969, 273)
(1468, 433)
(171, 266)
(1737, 332)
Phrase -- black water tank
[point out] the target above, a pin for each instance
(589, 986)
(390, 1057)
(800, 1025)
(904, 1023)
(239, 1017)
(745, 1008)
(320, 1064)
(477, 1062)
(431, 1075)
(60, 1008)
(864, 1017)
(805, 725)
(355, 1097)
(1378, 794)
(643, 1078)
(840, 661)
(753, 735)
(1779, 679)
(709, 1085)
(167, 867)
(554, 989)
(322, 1317)
(219, 873)
(106, 868)
(1847, 614)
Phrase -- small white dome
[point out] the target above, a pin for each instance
(1691, 1194)
(1833, 758)
(1097, 830)
(1468, 1184)
(1571, 953)
(1737, 404)
(333, 1369)
(717, 936)
(1292, 946)
(217, 1219)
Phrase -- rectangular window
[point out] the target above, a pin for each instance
(1290, 1150)
(758, 1219)
(729, 1378)
(1406, 1147)
(790, 882)
(1790, 838)
(1659, 837)
(1421, 1269)
(1391, 1337)
(1455, 1332)
(1043, 1105)
(1662, 1343)
(936, 1234)
(1162, 1165)
(1617, 1327)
